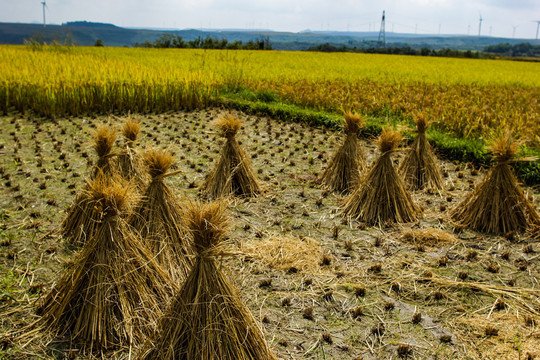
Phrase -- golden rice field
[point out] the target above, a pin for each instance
(467, 97)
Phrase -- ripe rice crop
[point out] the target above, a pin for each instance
(80, 80)
(467, 97)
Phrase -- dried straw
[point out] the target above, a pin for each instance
(498, 205)
(534, 232)
(429, 237)
(233, 174)
(158, 218)
(207, 320)
(419, 167)
(112, 294)
(343, 171)
(382, 196)
(284, 253)
(130, 164)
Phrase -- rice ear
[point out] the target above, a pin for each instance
(228, 124)
(158, 161)
(82, 219)
(419, 167)
(353, 122)
(207, 224)
(504, 147)
(131, 166)
(100, 194)
(111, 196)
(429, 237)
(421, 121)
(131, 129)
(104, 139)
(389, 140)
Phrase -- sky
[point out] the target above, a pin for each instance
(503, 18)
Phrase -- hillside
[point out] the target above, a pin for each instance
(85, 34)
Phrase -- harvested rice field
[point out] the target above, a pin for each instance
(320, 286)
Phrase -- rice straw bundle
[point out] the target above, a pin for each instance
(81, 220)
(498, 205)
(112, 295)
(207, 320)
(83, 217)
(381, 196)
(130, 164)
(157, 217)
(233, 174)
(419, 167)
(343, 171)
(104, 139)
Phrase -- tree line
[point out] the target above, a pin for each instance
(402, 50)
(489, 52)
(521, 50)
(172, 41)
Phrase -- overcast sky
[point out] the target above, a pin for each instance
(500, 17)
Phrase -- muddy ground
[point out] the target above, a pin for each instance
(320, 286)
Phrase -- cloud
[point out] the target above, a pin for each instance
(424, 16)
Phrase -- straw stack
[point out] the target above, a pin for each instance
(207, 320)
(157, 217)
(113, 293)
(233, 174)
(130, 164)
(419, 167)
(498, 205)
(81, 220)
(381, 196)
(343, 171)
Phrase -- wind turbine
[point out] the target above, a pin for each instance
(537, 26)
(44, 4)
(480, 25)
(514, 32)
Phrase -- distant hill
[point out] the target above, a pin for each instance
(86, 33)
(78, 33)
